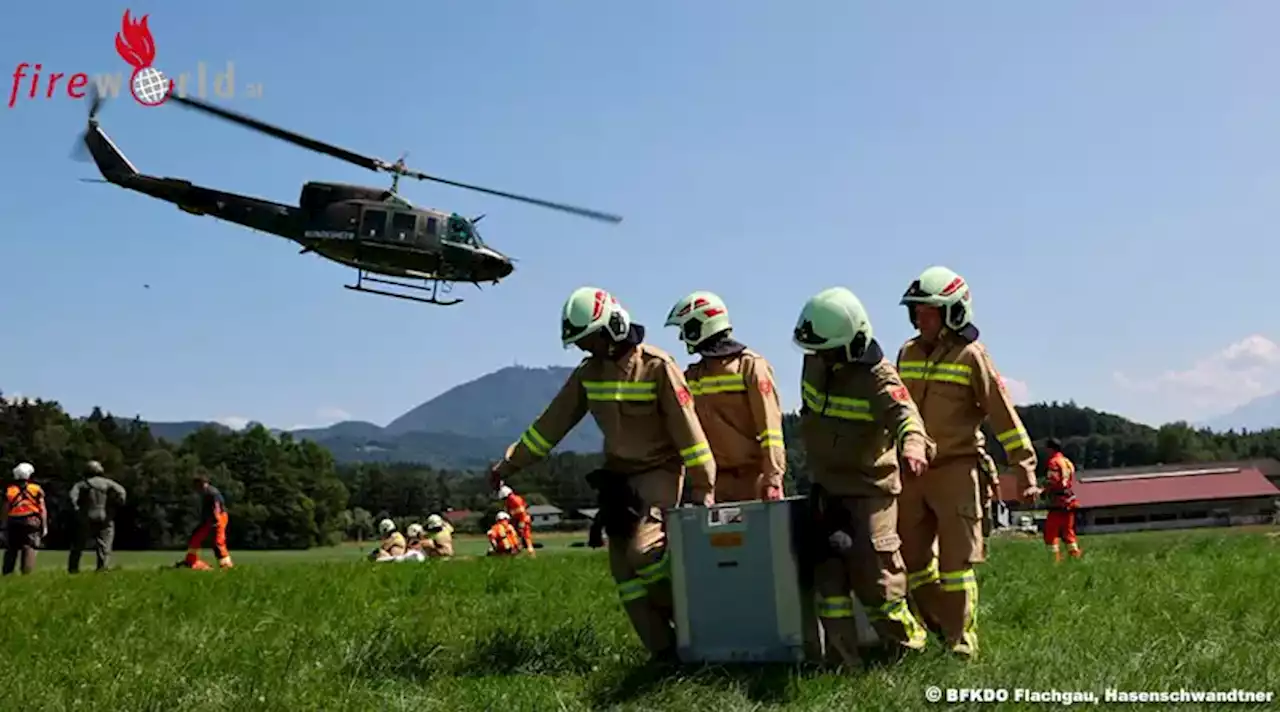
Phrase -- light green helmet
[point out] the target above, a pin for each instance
(943, 288)
(699, 316)
(591, 309)
(833, 318)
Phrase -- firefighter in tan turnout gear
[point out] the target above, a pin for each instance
(857, 421)
(737, 401)
(652, 437)
(956, 386)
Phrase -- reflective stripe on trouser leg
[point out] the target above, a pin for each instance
(893, 621)
(841, 628)
(960, 596)
(631, 590)
(656, 572)
(923, 593)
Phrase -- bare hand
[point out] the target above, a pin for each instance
(1029, 494)
(916, 466)
(772, 493)
(704, 499)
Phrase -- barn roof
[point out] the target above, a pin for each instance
(1189, 484)
(1192, 486)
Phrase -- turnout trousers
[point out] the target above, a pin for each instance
(640, 566)
(103, 534)
(940, 522)
(218, 527)
(873, 571)
(738, 485)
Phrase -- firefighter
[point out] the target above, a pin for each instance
(857, 422)
(1061, 522)
(414, 544)
(520, 518)
(504, 540)
(95, 498)
(956, 386)
(439, 537)
(391, 545)
(639, 399)
(737, 401)
(213, 519)
(26, 519)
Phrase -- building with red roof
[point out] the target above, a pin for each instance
(1170, 497)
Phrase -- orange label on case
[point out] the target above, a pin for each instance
(724, 541)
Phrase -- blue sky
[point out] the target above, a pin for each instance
(1105, 175)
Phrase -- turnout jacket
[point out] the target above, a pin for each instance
(956, 386)
(857, 419)
(641, 403)
(737, 401)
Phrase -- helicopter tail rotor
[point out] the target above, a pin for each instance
(80, 151)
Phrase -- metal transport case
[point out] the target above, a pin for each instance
(742, 589)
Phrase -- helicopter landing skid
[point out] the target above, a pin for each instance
(433, 286)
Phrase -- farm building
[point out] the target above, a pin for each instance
(545, 515)
(1170, 497)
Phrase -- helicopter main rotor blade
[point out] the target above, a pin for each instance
(373, 164)
(583, 212)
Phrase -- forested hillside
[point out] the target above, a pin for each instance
(287, 493)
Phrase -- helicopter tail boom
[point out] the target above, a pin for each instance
(255, 213)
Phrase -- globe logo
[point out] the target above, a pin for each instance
(149, 86)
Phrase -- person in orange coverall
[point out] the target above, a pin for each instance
(1061, 523)
(520, 518)
(503, 538)
(213, 519)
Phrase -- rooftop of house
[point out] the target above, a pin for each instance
(536, 509)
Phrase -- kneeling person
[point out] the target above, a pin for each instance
(439, 539)
(857, 420)
(504, 540)
(392, 544)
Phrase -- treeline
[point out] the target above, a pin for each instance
(284, 493)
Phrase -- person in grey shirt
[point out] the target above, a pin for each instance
(95, 499)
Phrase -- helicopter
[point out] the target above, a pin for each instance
(418, 254)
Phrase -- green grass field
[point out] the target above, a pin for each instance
(324, 630)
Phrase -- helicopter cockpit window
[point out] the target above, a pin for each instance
(373, 224)
(403, 226)
(461, 231)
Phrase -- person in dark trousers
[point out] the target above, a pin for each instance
(26, 519)
(96, 499)
(213, 520)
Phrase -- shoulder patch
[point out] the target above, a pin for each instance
(900, 394)
(683, 397)
(765, 385)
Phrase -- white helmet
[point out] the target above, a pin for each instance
(590, 309)
(700, 316)
(833, 318)
(415, 530)
(503, 492)
(503, 516)
(942, 287)
(386, 526)
(23, 471)
(435, 522)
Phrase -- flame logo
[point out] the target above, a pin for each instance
(135, 44)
